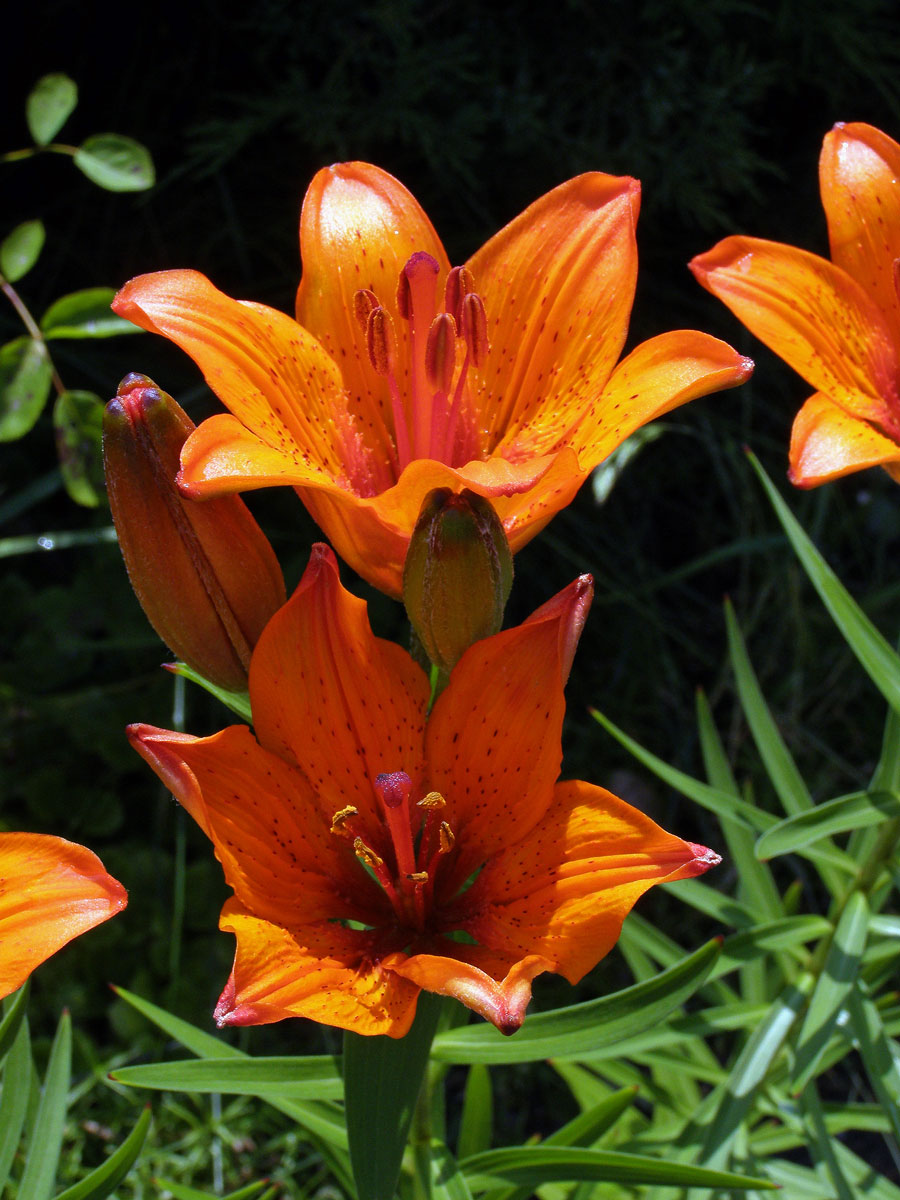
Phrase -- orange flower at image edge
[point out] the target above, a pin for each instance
(361, 837)
(836, 323)
(401, 375)
(51, 891)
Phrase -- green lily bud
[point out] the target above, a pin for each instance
(204, 572)
(457, 574)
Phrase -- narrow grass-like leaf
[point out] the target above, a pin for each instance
(477, 1120)
(832, 986)
(788, 934)
(382, 1080)
(532, 1166)
(878, 660)
(315, 1077)
(581, 1028)
(822, 1146)
(104, 1180)
(321, 1119)
(780, 766)
(16, 1006)
(45, 1141)
(881, 1066)
(14, 1095)
(181, 1191)
(854, 811)
(446, 1179)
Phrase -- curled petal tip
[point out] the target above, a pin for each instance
(704, 858)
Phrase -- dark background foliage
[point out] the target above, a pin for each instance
(718, 106)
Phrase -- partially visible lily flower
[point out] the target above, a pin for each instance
(51, 891)
(401, 374)
(836, 323)
(375, 850)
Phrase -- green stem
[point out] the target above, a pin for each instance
(34, 330)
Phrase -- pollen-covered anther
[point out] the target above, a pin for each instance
(364, 301)
(340, 822)
(446, 838)
(440, 353)
(380, 340)
(459, 283)
(418, 877)
(432, 800)
(367, 855)
(473, 327)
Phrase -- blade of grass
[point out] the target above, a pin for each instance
(46, 1139)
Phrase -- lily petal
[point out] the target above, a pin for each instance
(557, 283)
(812, 314)
(358, 228)
(564, 889)
(330, 696)
(502, 1003)
(260, 813)
(322, 972)
(51, 891)
(859, 174)
(497, 781)
(827, 442)
(272, 374)
(657, 376)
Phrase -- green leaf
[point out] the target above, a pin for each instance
(181, 1191)
(780, 766)
(580, 1028)
(854, 811)
(786, 934)
(476, 1122)
(78, 424)
(382, 1080)
(49, 105)
(25, 378)
(881, 1066)
(116, 163)
(532, 1166)
(238, 702)
(85, 314)
(104, 1180)
(46, 1137)
(323, 1120)
(16, 1007)
(822, 1146)
(14, 1099)
(20, 250)
(879, 661)
(447, 1180)
(832, 987)
(315, 1077)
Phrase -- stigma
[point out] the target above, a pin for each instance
(430, 412)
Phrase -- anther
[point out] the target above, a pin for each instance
(473, 327)
(380, 339)
(367, 855)
(341, 820)
(418, 877)
(459, 283)
(446, 839)
(364, 301)
(440, 353)
(432, 800)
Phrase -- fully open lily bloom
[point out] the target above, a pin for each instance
(361, 837)
(836, 323)
(401, 374)
(51, 890)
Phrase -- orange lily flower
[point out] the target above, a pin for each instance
(401, 375)
(836, 323)
(351, 826)
(51, 891)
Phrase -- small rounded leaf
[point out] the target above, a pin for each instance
(84, 314)
(78, 422)
(49, 106)
(25, 378)
(117, 163)
(20, 250)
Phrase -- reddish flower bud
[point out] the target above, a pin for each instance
(457, 575)
(205, 575)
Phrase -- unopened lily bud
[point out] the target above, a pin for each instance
(204, 572)
(457, 575)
